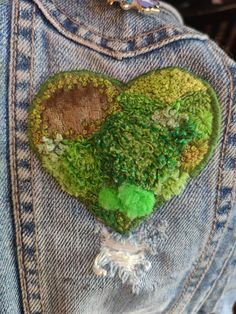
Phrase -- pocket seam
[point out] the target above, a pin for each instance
(30, 291)
(12, 152)
(118, 52)
(110, 38)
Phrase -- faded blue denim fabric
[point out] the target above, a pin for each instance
(57, 239)
(9, 290)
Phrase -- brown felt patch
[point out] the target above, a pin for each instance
(79, 110)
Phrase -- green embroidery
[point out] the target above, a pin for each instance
(140, 150)
(171, 185)
(166, 85)
(131, 200)
(77, 169)
(123, 150)
(108, 199)
(193, 155)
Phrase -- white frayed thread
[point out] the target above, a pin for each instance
(125, 256)
(119, 256)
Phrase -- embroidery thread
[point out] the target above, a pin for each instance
(124, 149)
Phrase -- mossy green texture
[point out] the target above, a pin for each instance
(76, 168)
(140, 150)
(160, 130)
(174, 184)
(129, 199)
(135, 201)
(108, 199)
(166, 85)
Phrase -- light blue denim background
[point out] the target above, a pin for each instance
(55, 233)
(9, 291)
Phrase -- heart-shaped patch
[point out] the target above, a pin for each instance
(124, 149)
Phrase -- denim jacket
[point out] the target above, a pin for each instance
(48, 239)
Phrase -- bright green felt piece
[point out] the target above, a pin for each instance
(161, 130)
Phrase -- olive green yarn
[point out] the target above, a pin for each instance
(198, 108)
(167, 84)
(171, 185)
(118, 221)
(138, 103)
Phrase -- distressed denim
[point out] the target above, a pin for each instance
(48, 239)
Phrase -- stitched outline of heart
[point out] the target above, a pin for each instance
(116, 219)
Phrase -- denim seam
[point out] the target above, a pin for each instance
(118, 53)
(27, 263)
(222, 167)
(219, 276)
(124, 40)
(42, 299)
(110, 38)
(231, 268)
(37, 260)
(12, 146)
(212, 233)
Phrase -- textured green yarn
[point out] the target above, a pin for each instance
(134, 150)
(159, 130)
(140, 150)
(137, 103)
(77, 169)
(171, 185)
(129, 199)
(167, 84)
(135, 201)
(108, 199)
(115, 219)
(198, 107)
